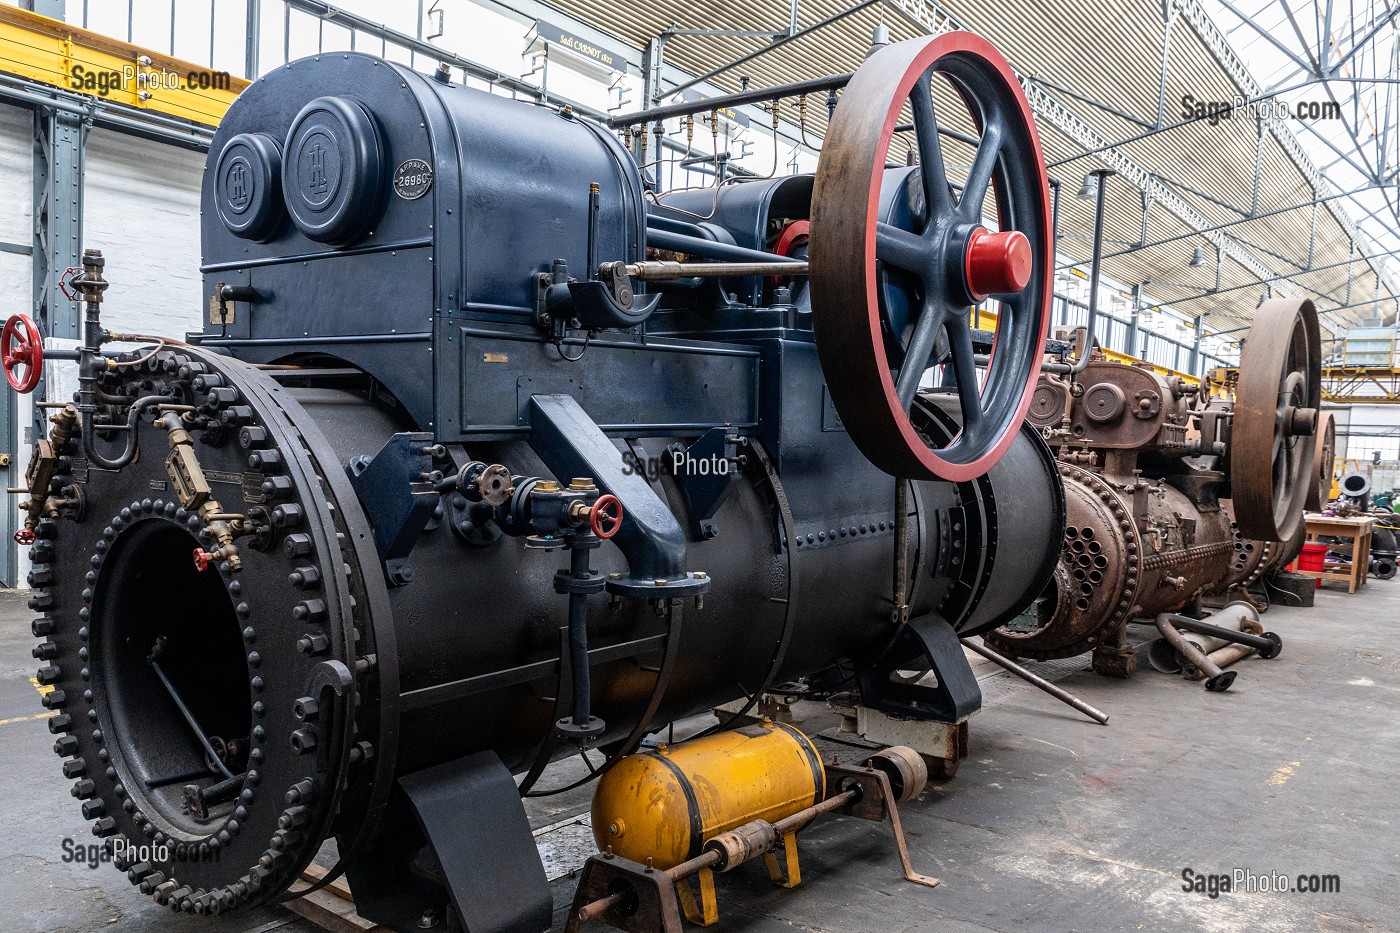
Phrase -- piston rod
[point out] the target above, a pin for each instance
(660, 271)
(1064, 696)
(663, 238)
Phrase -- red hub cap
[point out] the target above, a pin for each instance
(21, 352)
(998, 263)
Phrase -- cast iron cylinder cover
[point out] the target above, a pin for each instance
(248, 186)
(335, 170)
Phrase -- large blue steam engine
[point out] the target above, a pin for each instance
(489, 451)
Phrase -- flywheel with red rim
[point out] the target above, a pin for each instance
(899, 259)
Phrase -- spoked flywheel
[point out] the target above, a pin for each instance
(899, 258)
(1276, 416)
(1324, 449)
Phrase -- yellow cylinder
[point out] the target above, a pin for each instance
(664, 804)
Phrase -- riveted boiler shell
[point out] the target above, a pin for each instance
(1250, 559)
(1094, 582)
(664, 804)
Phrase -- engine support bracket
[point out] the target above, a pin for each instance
(955, 696)
(705, 487)
(398, 510)
(571, 444)
(456, 834)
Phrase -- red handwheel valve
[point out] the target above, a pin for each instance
(201, 559)
(605, 518)
(21, 352)
(24, 536)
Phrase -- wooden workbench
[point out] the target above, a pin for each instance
(1358, 529)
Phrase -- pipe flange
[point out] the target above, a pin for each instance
(116, 593)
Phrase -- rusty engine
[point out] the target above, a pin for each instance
(1171, 492)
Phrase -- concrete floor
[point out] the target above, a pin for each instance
(1053, 824)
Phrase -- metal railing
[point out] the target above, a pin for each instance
(1114, 332)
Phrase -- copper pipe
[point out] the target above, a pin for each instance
(1230, 654)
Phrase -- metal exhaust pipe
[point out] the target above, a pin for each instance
(1268, 644)
(1217, 680)
(1234, 653)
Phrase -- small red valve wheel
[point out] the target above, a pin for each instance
(605, 518)
(67, 283)
(201, 559)
(21, 352)
(24, 536)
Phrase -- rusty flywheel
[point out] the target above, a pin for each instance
(1324, 449)
(1276, 415)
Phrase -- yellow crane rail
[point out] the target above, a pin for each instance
(1366, 385)
(83, 62)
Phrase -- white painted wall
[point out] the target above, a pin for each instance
(142, 211)
(16, 226)
(16, 287)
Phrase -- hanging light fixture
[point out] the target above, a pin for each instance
(1198, 258)
(1090, 189)
(880, 37)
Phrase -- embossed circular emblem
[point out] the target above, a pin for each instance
(248, 186)
(335, 188)
(412, 179)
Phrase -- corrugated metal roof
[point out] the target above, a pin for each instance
(1111, 52)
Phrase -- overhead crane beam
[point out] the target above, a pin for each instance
(1361, 385)
(107, 70)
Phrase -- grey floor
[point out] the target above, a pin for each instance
(1053, 823)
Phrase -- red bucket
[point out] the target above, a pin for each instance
(1313, 558)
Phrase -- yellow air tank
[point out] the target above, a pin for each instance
(664, 804)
